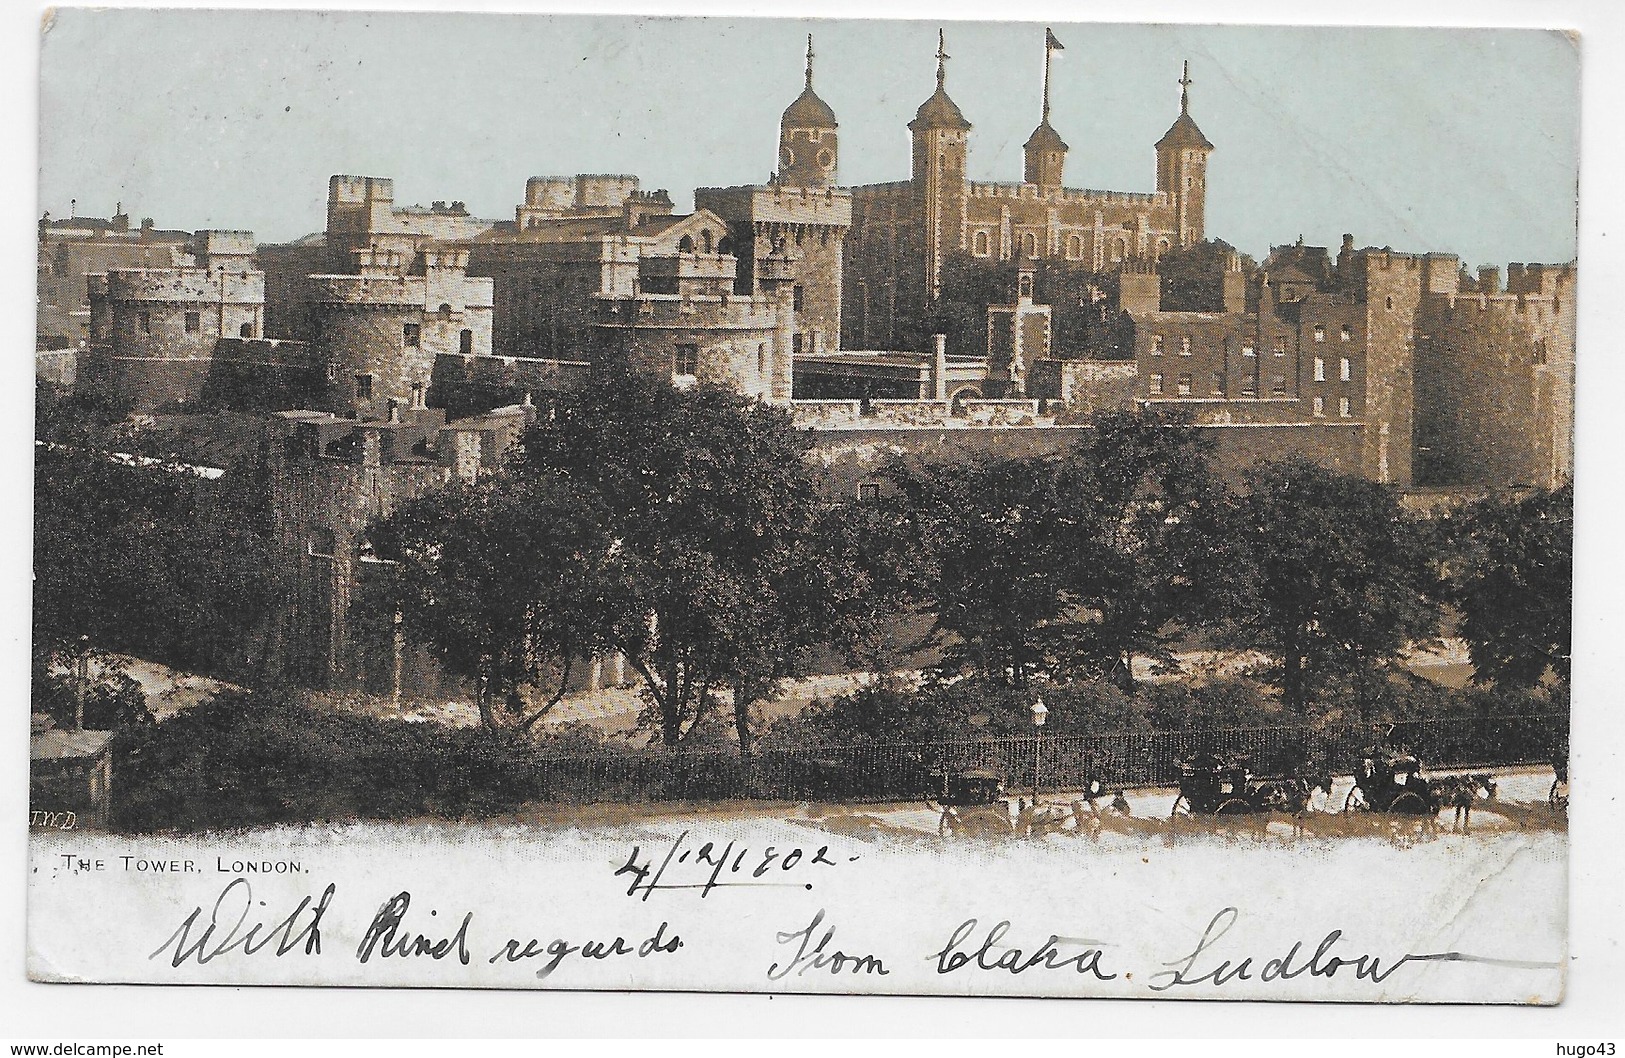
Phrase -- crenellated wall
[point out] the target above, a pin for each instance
(1495, 381)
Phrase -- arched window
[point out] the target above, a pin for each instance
(725, 245)
(1074, 247)
(685, 244)
(246, 331)
(1029, 245)
(980, 244)
(465, 343)
(1119, 249)
(1162, 248)
(705, 240)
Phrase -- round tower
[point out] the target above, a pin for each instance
(808, 150)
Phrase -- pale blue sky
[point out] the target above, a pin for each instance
(1456, 140)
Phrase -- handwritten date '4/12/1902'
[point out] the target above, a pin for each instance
(710, 865)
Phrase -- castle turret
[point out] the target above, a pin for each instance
(941, 140)
(807, 138)
(1045, 150)
(1182, 156)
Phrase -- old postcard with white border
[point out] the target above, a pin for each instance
(540, 501)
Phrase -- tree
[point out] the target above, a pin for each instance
(1513, 581)
(1146, 557)
(990, 533)
(499, 579)
(721, 581)
(151, 558)
(105, 694)
(680, 529)
(1338, 579)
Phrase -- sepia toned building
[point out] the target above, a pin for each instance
(904, 231)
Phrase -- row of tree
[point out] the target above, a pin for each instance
(685, 531)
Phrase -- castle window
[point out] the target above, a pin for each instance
(1280, 346)
(1119, 249)
(1345, 369)
(1390, 304)
(798, 297)
(1540, 351)
(1320, 332)
(1156, 384)
(1247, 350)
(193, 322)
(1162, 248)
(825, 159)
(795, 345)
(145, 319)
(1249, 385)
(685, 244)
(869, 492)
(1278, 385)
(685, 361)
(979, 244)
(1074, 247)
(1347, 333)
(1024, 286)
(1218, 383)
(1156, 345)
(1344, 409)
(363, 387)
(245, 331)
(1185, 346)
(1320, 407)
(332, 372)
(1029, 245)
(465, 343)
(1320, 369)
(417, 394)
(761, 359)
(705, 240)
(412, 335)
(1184, 385)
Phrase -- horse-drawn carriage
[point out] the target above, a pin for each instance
(1210, 785)
(973, 802)
(1391, 781)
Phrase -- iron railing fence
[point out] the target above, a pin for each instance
(879, 770)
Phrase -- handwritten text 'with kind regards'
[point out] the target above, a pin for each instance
(709, 865)
(238, 924)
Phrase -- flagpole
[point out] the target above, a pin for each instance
(1047, 50)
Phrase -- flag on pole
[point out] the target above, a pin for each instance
(1051, 43)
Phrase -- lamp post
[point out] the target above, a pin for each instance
(1040, 714)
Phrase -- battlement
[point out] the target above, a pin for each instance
(1545, 279)
(711, 311)
(1034, 192)
(191, 285)
(210, 244)
(1144, 266)
(360, 190)
(779, 204)
(445, 259)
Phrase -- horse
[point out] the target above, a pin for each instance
(1459, 792)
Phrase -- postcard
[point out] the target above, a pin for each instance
(789, 505)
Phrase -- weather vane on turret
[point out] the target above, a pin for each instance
(1185, 89)
(809, 60)
(942, 58)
